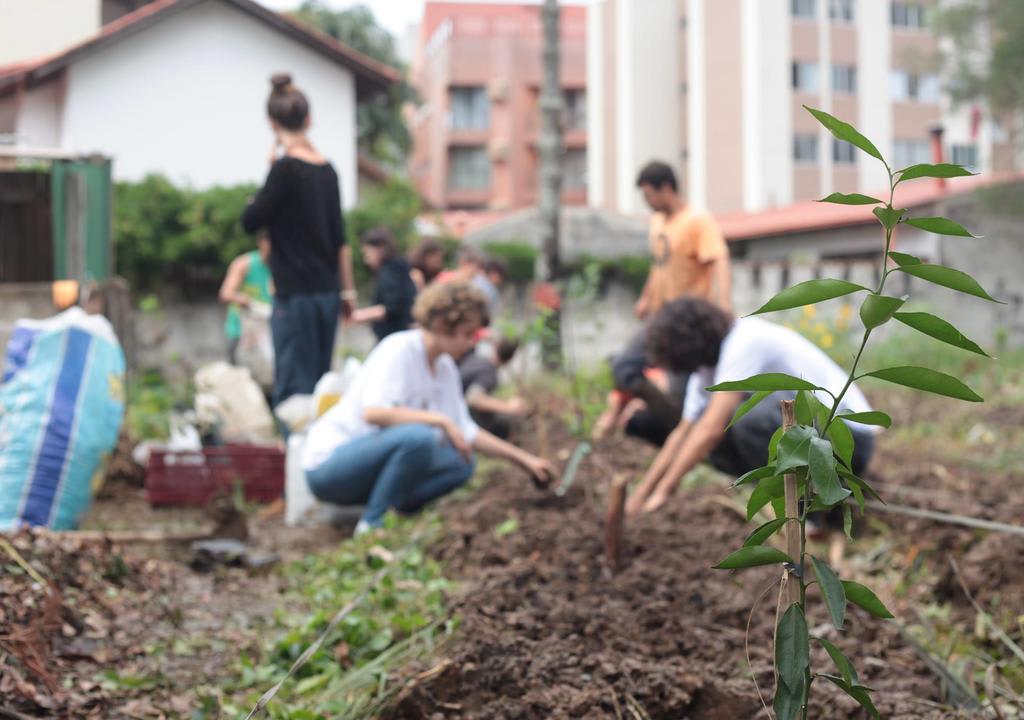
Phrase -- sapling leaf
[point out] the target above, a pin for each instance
(904, 259)
(809, 292)
(788, 701)
(857, 692)
(822, 469)
(794, 447)
(752, 557)
(802, 408)
(848, 519)
(872, 417)
(832, 591)
(771, 382)
(940, 170)
(764, 532)
(773, 443)
(763, 494)
(878, 309)
(842, 663)
(928, 380)
(948, 277)
(845, 131)
(889, 217)
(939, 329)
(940, 226)
(779, 506)
(749, 404)
(755, 475)
(850, 199)
(842, 441)
(865, 599)
(792, 651)
(859, 486)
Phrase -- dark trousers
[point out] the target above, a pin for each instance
(303, 327)
(663, 410)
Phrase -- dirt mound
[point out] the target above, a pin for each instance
(547, 633)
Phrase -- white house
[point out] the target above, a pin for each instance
(179, 87)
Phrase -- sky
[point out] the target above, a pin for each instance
(395, 15)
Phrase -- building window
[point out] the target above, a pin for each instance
(841, 10)
(910, 152)
(575, 109)
(844, 79)
(803, 8)
(574, 169)
(966, 155)
(907, 15)
(843, 153)
(805, 77)
(469, 168)
(910, 86)
(805, 148)
(470, 108)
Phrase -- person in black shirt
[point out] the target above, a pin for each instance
(395, 291)
(479, 374)
(300, 207)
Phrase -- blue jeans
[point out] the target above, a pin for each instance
(303, 329)
(402, 467)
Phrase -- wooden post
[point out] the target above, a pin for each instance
(614, 521)
(543, 443)
(792, 529)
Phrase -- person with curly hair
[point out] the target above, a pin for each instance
(402, 435)
(693, 336)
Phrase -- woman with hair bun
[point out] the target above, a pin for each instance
(299, 205)
(402, 435)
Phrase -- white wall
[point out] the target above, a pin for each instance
(874, 108)
(35, 28)
(39, 118)
(186, 97)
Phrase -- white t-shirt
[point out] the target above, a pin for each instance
(754, 346)
(395, 374)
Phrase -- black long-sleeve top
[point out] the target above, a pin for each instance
(396, 291)
(300, 206)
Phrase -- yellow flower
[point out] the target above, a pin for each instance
(819, 327)
(826, 340)
(810, 311)
(845, 311)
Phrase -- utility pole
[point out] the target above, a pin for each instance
(551, 108)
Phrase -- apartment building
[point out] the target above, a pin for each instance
(717, 87)
(477, 69)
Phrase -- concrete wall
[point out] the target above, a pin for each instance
(186, 97)
(35, 28)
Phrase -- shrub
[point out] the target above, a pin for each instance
(520, 259)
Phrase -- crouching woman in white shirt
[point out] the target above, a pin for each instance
(693, 336)
(402, 435)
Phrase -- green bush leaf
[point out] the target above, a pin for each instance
(764, 532)
(809, 292)
(842, 663)
(842, 440)
(845, 131)
(850, 199)
(942, 170)
(865, 599)
(822, 469)
(939, 329)
(771, 382)
(752, 557)
(794, 448)
(832, 591)
(857, 692)
(940, 226)
(928, 380)
(878, 309)
(904, 259)
(767, 490)
(792, 647)
(755, 475)
(948, 277)
(889, 217)
(749, 404)
(872, 417)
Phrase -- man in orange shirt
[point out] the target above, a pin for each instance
(688, 257)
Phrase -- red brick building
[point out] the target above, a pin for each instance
(478, 72)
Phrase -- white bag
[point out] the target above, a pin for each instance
(299, 501)
(256, 344)
(228, 399)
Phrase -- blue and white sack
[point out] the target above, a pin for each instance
(61, 407)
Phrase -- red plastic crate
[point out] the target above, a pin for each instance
(196, 477)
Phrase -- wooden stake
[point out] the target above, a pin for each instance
(792, 588)
(543, 445)
(614, 521)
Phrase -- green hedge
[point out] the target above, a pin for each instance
(520, 259)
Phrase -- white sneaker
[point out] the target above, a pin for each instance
(362, 527)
